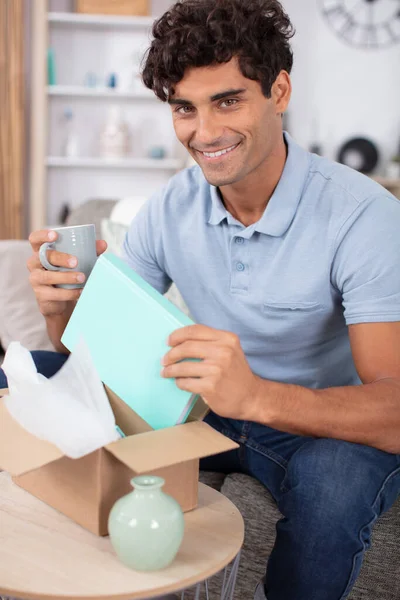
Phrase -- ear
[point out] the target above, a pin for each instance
(282, 92)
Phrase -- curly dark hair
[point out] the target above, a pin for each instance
(199, 33)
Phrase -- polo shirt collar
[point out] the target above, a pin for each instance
(218, 211)
(283, 203)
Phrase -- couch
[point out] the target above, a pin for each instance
(380, 575)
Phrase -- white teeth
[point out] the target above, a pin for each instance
(220, 153)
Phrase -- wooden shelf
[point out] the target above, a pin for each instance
(166, 164)
(78, 19)
(100, 92)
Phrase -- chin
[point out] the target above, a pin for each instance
(221, 179)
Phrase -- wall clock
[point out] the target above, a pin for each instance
(364, 23)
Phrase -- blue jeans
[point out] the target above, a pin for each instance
(329, 492)
(47, 363)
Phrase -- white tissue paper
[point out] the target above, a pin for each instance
(71, 410)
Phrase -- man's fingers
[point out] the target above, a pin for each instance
(194, 349)
(195, 332)
(101, 247)
(46, 293)
(203, 333)
(33, 263)
(37, 238)
(41, 277)
(191, 369)
(60, 259)
(194, 386)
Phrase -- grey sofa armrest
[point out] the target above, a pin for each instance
(92, 211)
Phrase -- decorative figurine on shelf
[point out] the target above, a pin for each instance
(112, 80)
(51, 67)
(157, 152)
(146, 527)
(70, 143)
(115, 138)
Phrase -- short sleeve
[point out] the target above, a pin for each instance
(143, 247)
(366, 265)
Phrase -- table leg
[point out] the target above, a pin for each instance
(228, 584)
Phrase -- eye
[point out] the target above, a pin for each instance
(229, 102)
(184, 110)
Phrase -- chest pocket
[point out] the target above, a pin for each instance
(295, 323)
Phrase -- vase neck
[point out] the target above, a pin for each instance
(147, 483)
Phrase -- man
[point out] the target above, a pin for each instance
(289, 263)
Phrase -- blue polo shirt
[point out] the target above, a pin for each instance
(324, 255)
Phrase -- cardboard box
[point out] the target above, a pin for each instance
(113, 7)
(86, 489)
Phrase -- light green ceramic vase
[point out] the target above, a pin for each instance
(146, 526)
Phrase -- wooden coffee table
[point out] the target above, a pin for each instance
(44, 555)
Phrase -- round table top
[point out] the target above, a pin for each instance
(43, 554)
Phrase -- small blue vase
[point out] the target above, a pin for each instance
(157, 152)
(146, 526)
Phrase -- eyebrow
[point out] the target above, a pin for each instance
(214, 98)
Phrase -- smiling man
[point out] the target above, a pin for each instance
(289, 264)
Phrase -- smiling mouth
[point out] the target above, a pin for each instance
(219, 153)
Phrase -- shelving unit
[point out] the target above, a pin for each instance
(82, 20)
(110, 163)
(76, 91)
(101, 44)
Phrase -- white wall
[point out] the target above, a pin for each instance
(353, 91)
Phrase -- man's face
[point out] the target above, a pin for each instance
(226, 123)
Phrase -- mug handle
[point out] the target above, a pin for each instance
(43, 256)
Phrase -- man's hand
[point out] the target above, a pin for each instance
(222, 377)
(54, 301)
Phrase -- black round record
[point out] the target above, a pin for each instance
(360, 154)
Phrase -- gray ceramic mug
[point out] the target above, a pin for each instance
(77, 240)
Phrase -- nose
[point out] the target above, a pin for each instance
(208, 132)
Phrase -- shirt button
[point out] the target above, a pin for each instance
(240, 266)
(239, 240)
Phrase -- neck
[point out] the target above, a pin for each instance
(248, 199)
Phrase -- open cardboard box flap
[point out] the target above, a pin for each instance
(142, 451)
(166, 447)
(20, 451)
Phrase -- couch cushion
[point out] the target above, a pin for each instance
(91, 211)
(20, 318)
(380, 573)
